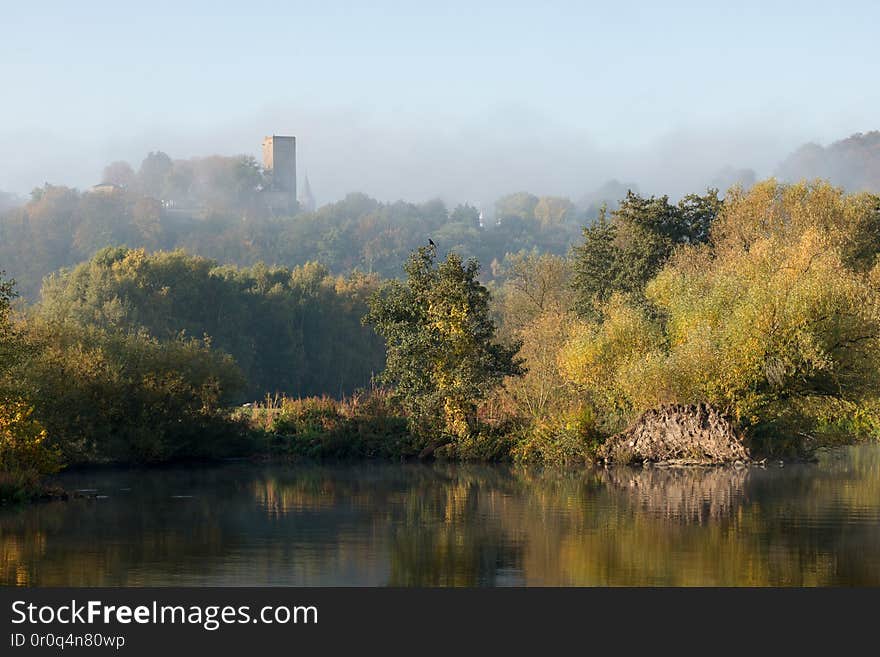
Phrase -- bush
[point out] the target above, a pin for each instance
(569, 439)
(25, 455)
(23, 442)
(126, 397)
(366, 425)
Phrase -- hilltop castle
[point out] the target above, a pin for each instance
(279, 161)
(201, 181)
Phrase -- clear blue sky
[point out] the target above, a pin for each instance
(85, 82)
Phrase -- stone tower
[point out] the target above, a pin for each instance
(279, 157)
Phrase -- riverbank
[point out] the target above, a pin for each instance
(21, 488)
(371, 427)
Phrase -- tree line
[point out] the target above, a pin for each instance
(212, 207)
(764, 303)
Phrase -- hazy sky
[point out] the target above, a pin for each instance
(456, 99)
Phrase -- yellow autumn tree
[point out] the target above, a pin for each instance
(776, 320)
(24, 454)
(23, 446)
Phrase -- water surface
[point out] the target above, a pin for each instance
(393, 524)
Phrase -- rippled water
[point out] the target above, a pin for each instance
(390, 524)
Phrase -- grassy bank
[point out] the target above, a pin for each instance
(360, 426)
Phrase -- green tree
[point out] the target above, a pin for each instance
(465, 214)
(442, 357)
(154, 172)
(553, 210)
(623, 251)
(295, 331)
(127, 397)
(520, 205)
(24, 453)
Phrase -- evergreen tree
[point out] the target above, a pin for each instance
(623, 252)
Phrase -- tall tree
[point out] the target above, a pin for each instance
(442, 356)
(154, 173)
(553, 210)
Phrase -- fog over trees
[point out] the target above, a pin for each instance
(212, 206)
(459, 160)
(852, 163)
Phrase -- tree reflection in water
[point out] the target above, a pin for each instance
(455, 525)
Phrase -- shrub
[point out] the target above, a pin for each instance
(125, 397)
(568, 439)
(25, 455)
(367, 425)
(23, 442)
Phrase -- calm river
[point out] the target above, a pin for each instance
(455, 525)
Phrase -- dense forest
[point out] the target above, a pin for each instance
(212, 207)
(296, 331)
(406, 330)
(60, 227)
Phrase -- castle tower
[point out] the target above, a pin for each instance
(279, 157)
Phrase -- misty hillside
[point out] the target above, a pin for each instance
(213, 208)
(852, 163)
